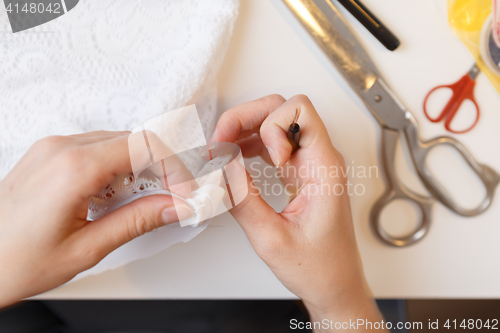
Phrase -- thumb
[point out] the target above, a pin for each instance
(135, 219)
(257, 219)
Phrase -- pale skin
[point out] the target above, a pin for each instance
(45, 239)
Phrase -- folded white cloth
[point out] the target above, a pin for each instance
(112, 65)
(109, 65)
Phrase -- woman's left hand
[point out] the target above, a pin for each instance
(45, 238)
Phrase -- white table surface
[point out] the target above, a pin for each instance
(271, 53)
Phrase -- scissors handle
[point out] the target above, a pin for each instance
(396, 190)
(419, 152)
(462, 90)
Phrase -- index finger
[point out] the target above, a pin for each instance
(245, 117)
(114, 157)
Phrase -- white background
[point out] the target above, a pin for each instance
(271, 53)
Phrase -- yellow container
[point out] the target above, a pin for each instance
(471, 21)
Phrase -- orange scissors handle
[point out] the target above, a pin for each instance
(462, 90)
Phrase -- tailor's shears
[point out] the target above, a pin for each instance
(327, 26)
(462, 90)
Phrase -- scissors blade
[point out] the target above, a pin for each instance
(474, 71)
(327, 26)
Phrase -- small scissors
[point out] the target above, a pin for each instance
(462, 90)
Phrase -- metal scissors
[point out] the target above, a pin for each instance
(327, 26)
(462, 90)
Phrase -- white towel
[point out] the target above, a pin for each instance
(111, 65)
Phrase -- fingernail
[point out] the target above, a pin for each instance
(272, 153)
(176, 213)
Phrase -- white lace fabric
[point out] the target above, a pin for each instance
(112, 65)
(109, 65)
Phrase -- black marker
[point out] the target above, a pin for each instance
(372, 23)
(294, 133)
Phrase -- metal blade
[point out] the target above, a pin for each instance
(327, 26)
(323, 21)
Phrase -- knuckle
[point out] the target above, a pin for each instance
(141, 223)
(230, 119)
(93, 255)
(302, 99)
(269, 249)
(50, 144)
(225, 116)
(73, 159)
(340, 158)
(270, 252)
(86, 253)
(337, 160)
(276, 99)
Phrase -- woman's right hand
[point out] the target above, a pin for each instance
(310, 246)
